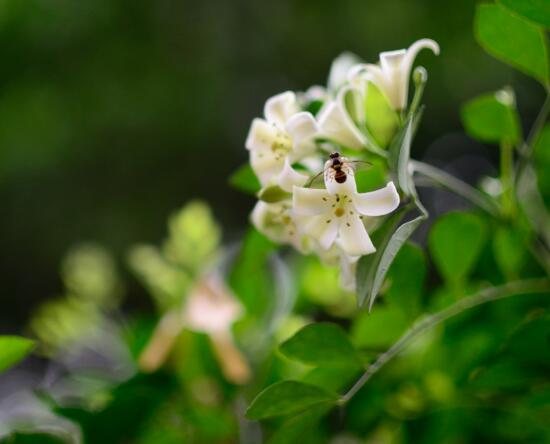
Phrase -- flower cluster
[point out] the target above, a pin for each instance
(289, 148)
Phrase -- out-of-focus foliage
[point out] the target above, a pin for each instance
(293, 343)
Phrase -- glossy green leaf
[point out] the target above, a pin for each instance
(455, 243)
(322, 344)
(288, 397)
(535, 10)
(245, 180)
(380, 328)
(513, 40)
(492, 118)
(13, 349)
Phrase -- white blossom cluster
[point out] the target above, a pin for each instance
(289, 146)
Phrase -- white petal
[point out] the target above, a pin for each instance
(279, 108)
(339, 69)
(266, 165)
(301, 127)
(407, 63)
(260, 136)
(310, 202)
(324, 229)
(289, 178)
(377, 203)
(353, 237)
(335, 123)
(348, 266)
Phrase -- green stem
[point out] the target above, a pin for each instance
(528, 286)
(526, 150)
(507, 178)
(457, 186)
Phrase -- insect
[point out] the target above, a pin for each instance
(337, 168)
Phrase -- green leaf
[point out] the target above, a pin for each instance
(322, 344)
(455, 242)
(372, 269)
(492, 118)
(245, 180)
(406, 278)
(286, 398)
(513, 40)
(509, 248)
(380, 328)
(303, 428)
(399, 156)
(535, 10)
(13, 349)
(273, 194)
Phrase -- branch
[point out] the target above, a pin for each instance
(528, 286)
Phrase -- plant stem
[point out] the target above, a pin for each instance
(507, 178)
(527, 148)
(457, 186)
(528, 286)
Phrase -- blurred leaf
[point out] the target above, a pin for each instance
(406, 277)
(372, 269)
(302, 428)
(492, 118)
(273, 194)
(245, 180)
(399, 157)
(13, 349)
(288, 397)
(332, 378)
(455, 242)
(509, 248)
(535, 10)
(321, 344)
(513, 40)
(380, 328)
(381, 119)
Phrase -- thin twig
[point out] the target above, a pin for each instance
(459, 187)
(487, 295)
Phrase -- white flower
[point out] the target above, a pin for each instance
(335, 213)
(393, 72)
(336, 124)
(339, 70)
(285, 135)
(277, 223)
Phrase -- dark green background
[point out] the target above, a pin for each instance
(113, 113)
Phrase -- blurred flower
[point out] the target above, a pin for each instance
(393, 72)
(212, 309)
(335, 213)
(286, 133)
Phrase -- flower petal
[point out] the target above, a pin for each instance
(353, 237)
(266, 165)
(260, 136)
(339, 69)
(348, 187)
(377, 203)
(289, 177)
(301, 127)
(279, 108)
(335, 123)
(310, 202)
(324, 229)
(348, 266)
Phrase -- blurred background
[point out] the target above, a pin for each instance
(113, 113)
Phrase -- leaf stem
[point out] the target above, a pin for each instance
(528, 286)
(527, 148)
(457, 186)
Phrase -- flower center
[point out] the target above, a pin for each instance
(282, 144)
(339, 212)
